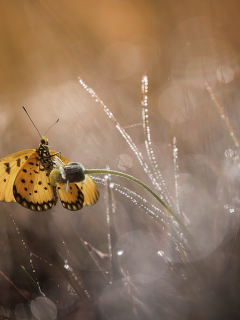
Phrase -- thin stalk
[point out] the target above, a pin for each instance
(222, 113)
(127, 176)
(112, 235)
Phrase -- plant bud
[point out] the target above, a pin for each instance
(73, 172)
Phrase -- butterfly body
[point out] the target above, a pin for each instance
(24, 178)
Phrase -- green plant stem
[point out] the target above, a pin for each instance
(127, 176)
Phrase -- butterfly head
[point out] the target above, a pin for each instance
(44, 141)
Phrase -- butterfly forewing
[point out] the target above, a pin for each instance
(32, 187)
(87, 187)
(9, 168)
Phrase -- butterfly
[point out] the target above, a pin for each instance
(24, 178)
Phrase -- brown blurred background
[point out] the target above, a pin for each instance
(46, 45)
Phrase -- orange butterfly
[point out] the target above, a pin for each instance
(24, 178)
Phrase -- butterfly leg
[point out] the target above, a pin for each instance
(56, 154)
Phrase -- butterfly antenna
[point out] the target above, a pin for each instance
(51, 126)
(32, 121)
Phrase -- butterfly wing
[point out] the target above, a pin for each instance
(9, 168)
(80, 194)
(74, 199)
(90, 190)
(32, 187)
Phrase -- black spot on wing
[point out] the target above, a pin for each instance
(18, 162)
(7, 167)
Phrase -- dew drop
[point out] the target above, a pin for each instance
(120, 252)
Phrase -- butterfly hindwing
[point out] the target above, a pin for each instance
(32, 186)
(73, 198)
(90, 190)
(9, 168)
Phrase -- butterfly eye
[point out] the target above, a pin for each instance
(44, 141)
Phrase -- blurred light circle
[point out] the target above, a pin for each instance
(198, 202)
(147, 57)
(187, 32)
(225, 74)
(156, 299)
(199, 61)
(124, 162)
(148, 52)
(119, 60)
(113, 303)
(187, 190)
(200, 69)
(116, 301)
(43, 309)
(20, 312)
(57, 290)
(128, 58)
(139, 256)
(176, 104)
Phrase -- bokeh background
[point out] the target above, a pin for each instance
(179, 44)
